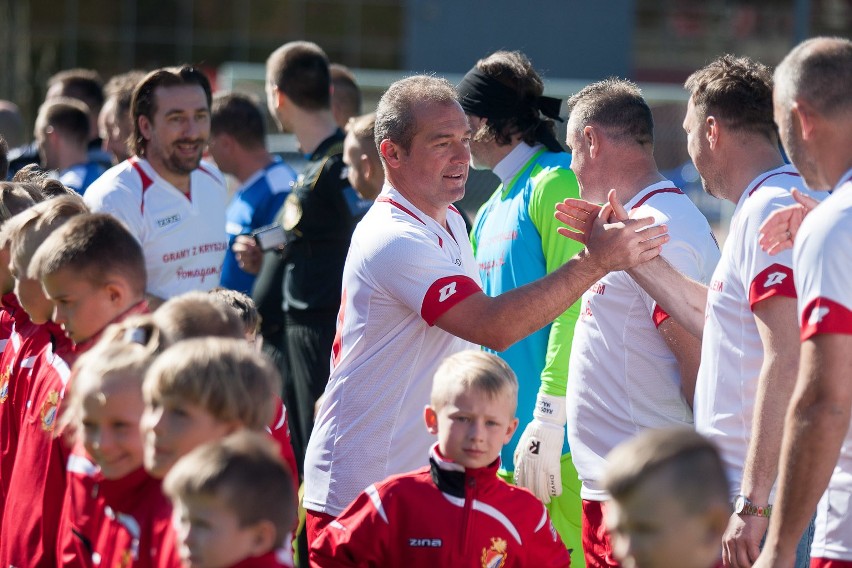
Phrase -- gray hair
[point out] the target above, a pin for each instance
(617, 106)
(395, 113)
(818, 70)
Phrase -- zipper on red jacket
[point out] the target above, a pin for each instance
(467, 519)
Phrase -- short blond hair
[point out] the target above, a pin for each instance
(226, 377)
(96, 246)
(196, 314)
(473, 370)
(122, 355)
(25, 232)
(245, 470)
(691, 460)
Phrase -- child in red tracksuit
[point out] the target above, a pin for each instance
(198, 391)
(110, 500)
(279, 428)
(456, 512)
(93, 270)
(234, 504)
(36, 484)
(13, 320)
(223, 313)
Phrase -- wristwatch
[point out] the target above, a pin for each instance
(743, 506)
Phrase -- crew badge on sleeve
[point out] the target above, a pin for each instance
(48, 411)
(4, 385)
(495, 557)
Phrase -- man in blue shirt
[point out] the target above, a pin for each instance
(237, 143)
(61, 134)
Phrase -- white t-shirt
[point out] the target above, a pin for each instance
(622, 376)
(403, 271)
(822, 258)
(183, 237)
(731, 349)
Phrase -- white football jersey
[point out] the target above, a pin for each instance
(403, 271)
(822, 258)
(731, 349)
(183, 237)
(622, 377)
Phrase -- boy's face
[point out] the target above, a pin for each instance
(472, 428)
(172, 427)
(32, 298)
(110, 422)
(651, 528)
(211, 536)
(81, 307)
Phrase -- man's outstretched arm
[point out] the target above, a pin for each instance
(683, 298)
(501, 321)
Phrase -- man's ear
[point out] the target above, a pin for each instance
(225, 142)
(804, 115)
(713, 132)
(431, 419)
(366, 166)
(592, 138)
(278, 97)
(145, 127)
(391, 152)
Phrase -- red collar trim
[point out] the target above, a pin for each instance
(759, 184)
(651, 194)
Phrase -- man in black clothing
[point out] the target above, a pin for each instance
(298, 288)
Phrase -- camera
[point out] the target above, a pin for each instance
(270, 237)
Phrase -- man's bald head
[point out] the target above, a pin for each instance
(819, 71)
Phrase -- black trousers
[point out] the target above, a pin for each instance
(308, 350)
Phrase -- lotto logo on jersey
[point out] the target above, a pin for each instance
(586, 312)
(774, 279)
(447, 291)
(817, 315)
(822, 315)
(444, 293)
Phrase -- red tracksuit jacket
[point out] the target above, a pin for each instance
(37, 484)
(279, 429)
(442, 515)
(82, 511)
(36, 492)
(14, 382)
(7, 314)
